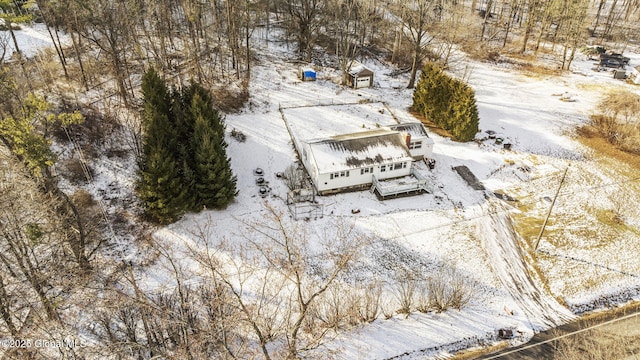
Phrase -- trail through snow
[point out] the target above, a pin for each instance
(510, 258)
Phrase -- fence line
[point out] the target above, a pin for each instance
(327, 102)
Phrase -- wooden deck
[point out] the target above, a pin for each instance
(415, 183)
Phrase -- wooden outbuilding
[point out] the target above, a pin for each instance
(359, 76)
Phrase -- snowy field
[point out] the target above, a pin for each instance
(455, 227)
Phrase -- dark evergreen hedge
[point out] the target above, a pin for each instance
(448, 102)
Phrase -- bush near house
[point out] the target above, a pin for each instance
(448, 102)
(184, 165)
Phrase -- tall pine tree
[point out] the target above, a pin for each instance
(215, 184)
(466, 114)
(160, 184)
(184, 166)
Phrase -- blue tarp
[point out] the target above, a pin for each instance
(308, 74)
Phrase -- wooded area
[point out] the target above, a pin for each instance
(214, 42)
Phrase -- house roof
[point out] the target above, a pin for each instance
(352, 151)
(357, 68)
(415, 129)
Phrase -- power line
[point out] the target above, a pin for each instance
(85, 169)
(546, 219)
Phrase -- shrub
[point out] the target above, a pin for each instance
(231, 98)
(450, 290)
(448, 102)
(618, 120)
(446, 290)
(294, 177)
(83, 199)
(76, 171)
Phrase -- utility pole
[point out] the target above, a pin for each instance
(546, 219)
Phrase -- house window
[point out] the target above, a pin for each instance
(383, 168)
(366, 170)
(398, 166)
(415, 145)
(339, 174)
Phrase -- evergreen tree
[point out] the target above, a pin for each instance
(10, 13)
(184, 164)
(215, 184)
(160, 184)
(184, 125)
(28, 134)
(448, 102)
(156, 98)
(466, 114)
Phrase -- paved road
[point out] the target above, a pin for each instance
(614, 335)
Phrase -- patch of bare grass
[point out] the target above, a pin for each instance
(591, 137)
(431, 125)
(476, 353)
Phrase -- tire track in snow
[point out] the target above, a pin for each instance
(509, 259)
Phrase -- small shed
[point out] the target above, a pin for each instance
(307, 74)
(635, 75)
(359, 76)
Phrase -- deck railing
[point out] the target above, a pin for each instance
(419, 183)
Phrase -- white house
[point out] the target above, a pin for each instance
(635, 75)
(417, 140)
(350, 161)
(359, 76)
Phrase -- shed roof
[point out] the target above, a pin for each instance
(415, 129)
(356, 68)
(349, 151)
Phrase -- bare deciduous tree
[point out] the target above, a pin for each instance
(288, 272)
(417, 19)
(304, 21)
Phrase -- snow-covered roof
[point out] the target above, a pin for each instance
(357, 68)
(307, 69)
(415, 129)
(349, 151)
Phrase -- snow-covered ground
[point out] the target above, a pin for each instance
(31, 39)
(455, 227)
